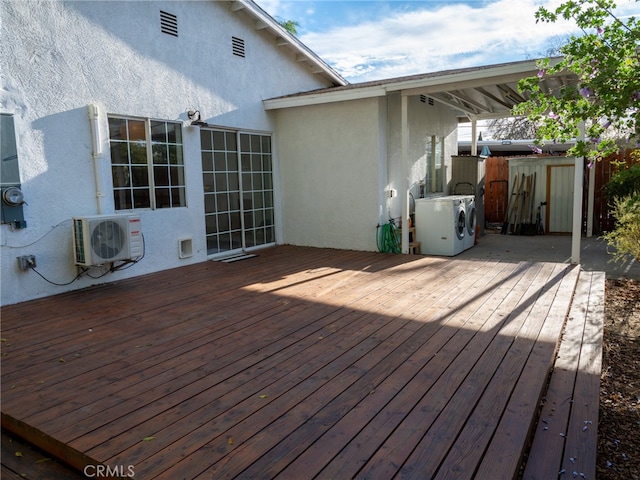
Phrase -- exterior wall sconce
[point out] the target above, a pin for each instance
(196, 119)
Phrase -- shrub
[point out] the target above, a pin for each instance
(626, 236)
(623, 183)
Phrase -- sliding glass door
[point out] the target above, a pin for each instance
(237, 173)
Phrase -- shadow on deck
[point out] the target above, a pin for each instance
(298, 363)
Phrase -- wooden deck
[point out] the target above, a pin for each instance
(299, 363)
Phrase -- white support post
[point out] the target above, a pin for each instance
(576, 231)
(591, 201)
(474, 137)
(404, 188)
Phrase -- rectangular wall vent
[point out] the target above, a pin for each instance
(168, 23)
(425, 99)
(237, 44)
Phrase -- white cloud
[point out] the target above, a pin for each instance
(367, 40)
(426, 39)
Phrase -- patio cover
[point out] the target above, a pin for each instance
(477, 93)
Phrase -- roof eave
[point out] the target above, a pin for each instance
(427, 84)
(283, 37)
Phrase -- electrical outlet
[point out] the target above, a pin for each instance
(26, 262)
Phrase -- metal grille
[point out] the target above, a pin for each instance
(169, 23)
(108, 239)
(237, 45)
(78, 235)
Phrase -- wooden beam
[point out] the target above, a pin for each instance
(471, 102)
(490, 95)
(453, 104)
(511, 94)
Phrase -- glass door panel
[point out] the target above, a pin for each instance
(221, 186)
(257, 188)
(238, 196)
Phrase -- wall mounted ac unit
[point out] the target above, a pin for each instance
(102, 239)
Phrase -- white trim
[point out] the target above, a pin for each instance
(264, 21)
(414, 85)
(326, 96)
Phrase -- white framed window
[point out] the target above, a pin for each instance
(434, 153)
(147, 163)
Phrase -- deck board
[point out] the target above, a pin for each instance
(297, 363)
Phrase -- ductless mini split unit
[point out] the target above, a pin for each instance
(103, 239)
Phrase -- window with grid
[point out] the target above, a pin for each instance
(147, 163)
(434, 153)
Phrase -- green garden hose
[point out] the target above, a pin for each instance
(388, 238)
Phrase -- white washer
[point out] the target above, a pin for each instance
(441, 225)
(472, 219)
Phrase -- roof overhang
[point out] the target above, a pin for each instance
(514, 147)
(475, 93)
(282, 38)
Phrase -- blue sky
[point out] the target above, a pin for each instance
(369, 40)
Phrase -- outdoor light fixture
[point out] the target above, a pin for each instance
(196, 119)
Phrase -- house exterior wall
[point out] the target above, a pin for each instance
(424, 121)
(340, 160)
(329, 164)
(57, 57)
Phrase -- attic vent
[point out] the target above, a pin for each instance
(237, 44)
(425, 99)
(168, 23)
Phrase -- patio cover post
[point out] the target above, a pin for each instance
(404, 188)
(474, 137)
(590, 202)
(578, 181)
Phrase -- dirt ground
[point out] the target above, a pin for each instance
(619, 418)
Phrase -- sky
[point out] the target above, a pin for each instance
(370, 40)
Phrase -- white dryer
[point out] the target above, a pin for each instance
(441, 225)
(472, 219)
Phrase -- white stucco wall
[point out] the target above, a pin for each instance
(339, 160)
(424, 121)
(329, 159)
(58, 57)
